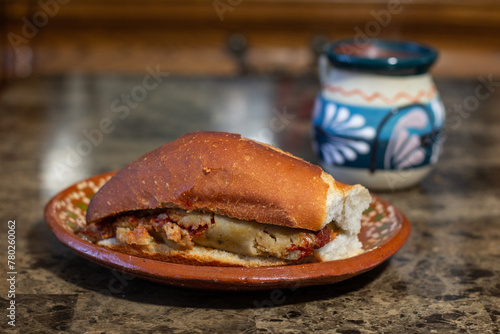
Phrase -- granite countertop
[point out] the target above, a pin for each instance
(446, 278)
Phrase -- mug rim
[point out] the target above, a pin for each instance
(390, 56)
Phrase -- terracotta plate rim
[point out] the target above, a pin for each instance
(228, 278)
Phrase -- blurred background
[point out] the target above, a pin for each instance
(231, 37)
(91, 85)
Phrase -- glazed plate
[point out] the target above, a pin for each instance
(384, 230)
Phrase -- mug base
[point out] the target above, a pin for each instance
(380, 180)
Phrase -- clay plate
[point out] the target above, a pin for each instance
(384, 230)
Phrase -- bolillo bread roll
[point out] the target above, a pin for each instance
(216, 198)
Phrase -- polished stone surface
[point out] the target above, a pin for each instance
(446, 278)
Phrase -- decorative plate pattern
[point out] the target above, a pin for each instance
(383, 231)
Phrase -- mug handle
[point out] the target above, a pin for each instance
(396, 110)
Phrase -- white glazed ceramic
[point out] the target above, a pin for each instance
(378, 118)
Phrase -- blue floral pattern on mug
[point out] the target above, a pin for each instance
(341, 135)
(382, 138)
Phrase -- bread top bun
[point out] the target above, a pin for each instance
(229, 175)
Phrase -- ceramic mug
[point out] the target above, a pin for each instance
(378, 119)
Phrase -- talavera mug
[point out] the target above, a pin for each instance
(378, 118)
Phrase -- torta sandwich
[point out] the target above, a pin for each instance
(214, 198)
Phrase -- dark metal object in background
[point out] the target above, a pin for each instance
(237, 44)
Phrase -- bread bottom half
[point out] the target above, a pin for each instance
(198, 255)
(344, 246)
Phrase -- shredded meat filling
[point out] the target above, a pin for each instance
(182, 230)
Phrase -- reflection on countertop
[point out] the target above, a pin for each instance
(58, 130)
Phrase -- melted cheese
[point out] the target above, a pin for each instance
(253, 239)
(181, 230)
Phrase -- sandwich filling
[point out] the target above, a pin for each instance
(182, 230)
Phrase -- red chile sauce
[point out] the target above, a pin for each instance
(323, 236)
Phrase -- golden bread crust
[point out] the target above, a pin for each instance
(221, 173)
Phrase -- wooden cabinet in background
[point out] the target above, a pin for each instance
(228, 37)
